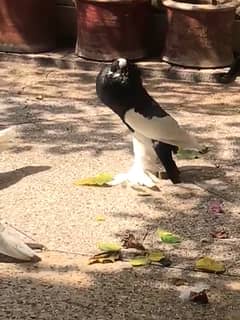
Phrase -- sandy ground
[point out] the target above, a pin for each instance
(65, 135)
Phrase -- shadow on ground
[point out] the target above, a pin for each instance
(9, 178)
(64, 101)
(64, 290)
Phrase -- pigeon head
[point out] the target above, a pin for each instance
(118, 84)
(119, 65)
(124, 73)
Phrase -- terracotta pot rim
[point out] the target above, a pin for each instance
(113, 1)
(199, 7)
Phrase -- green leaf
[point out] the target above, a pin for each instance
(109, 247)
(101, 179)
(210, 265)
(105, 257)
(187, 154)
(155, 255)
(168, 237)
(139, 261)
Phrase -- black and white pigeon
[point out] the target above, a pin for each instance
(156, 135)
(12, 245)
(7, 138)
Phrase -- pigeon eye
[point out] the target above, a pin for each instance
(115, 67)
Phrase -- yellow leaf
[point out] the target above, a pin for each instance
(210, 265)
(105, 257)
(109, 247)
(140, 261)
(101, 179)
(100, 217)
(156, 255)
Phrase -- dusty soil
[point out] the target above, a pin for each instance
(65, 134)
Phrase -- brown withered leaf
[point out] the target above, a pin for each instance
(196, 293)
(220, 234)
(105, 257)
(215, 207)
(199, 297)
(36, 246)
(129, 241)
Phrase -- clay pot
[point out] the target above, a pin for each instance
(199, 35)
(112, 29)
(27, 25)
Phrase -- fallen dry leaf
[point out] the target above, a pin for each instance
(36, 246)
(220, 234)
(199, 297)
(196, 293)
(129, 241)
(140, 261)
(168, 237)
(144, 194)
(101, 179)
(100, 218)
(155, 255)
(142, 191)
(105, 257)
(215, 207)
(210, 265)
(109, 247)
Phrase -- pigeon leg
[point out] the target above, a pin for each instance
(137, 175)
(164, 152)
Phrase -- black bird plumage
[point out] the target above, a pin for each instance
(119, 86)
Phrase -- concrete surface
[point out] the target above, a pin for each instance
(65, 134)
(67, 59)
